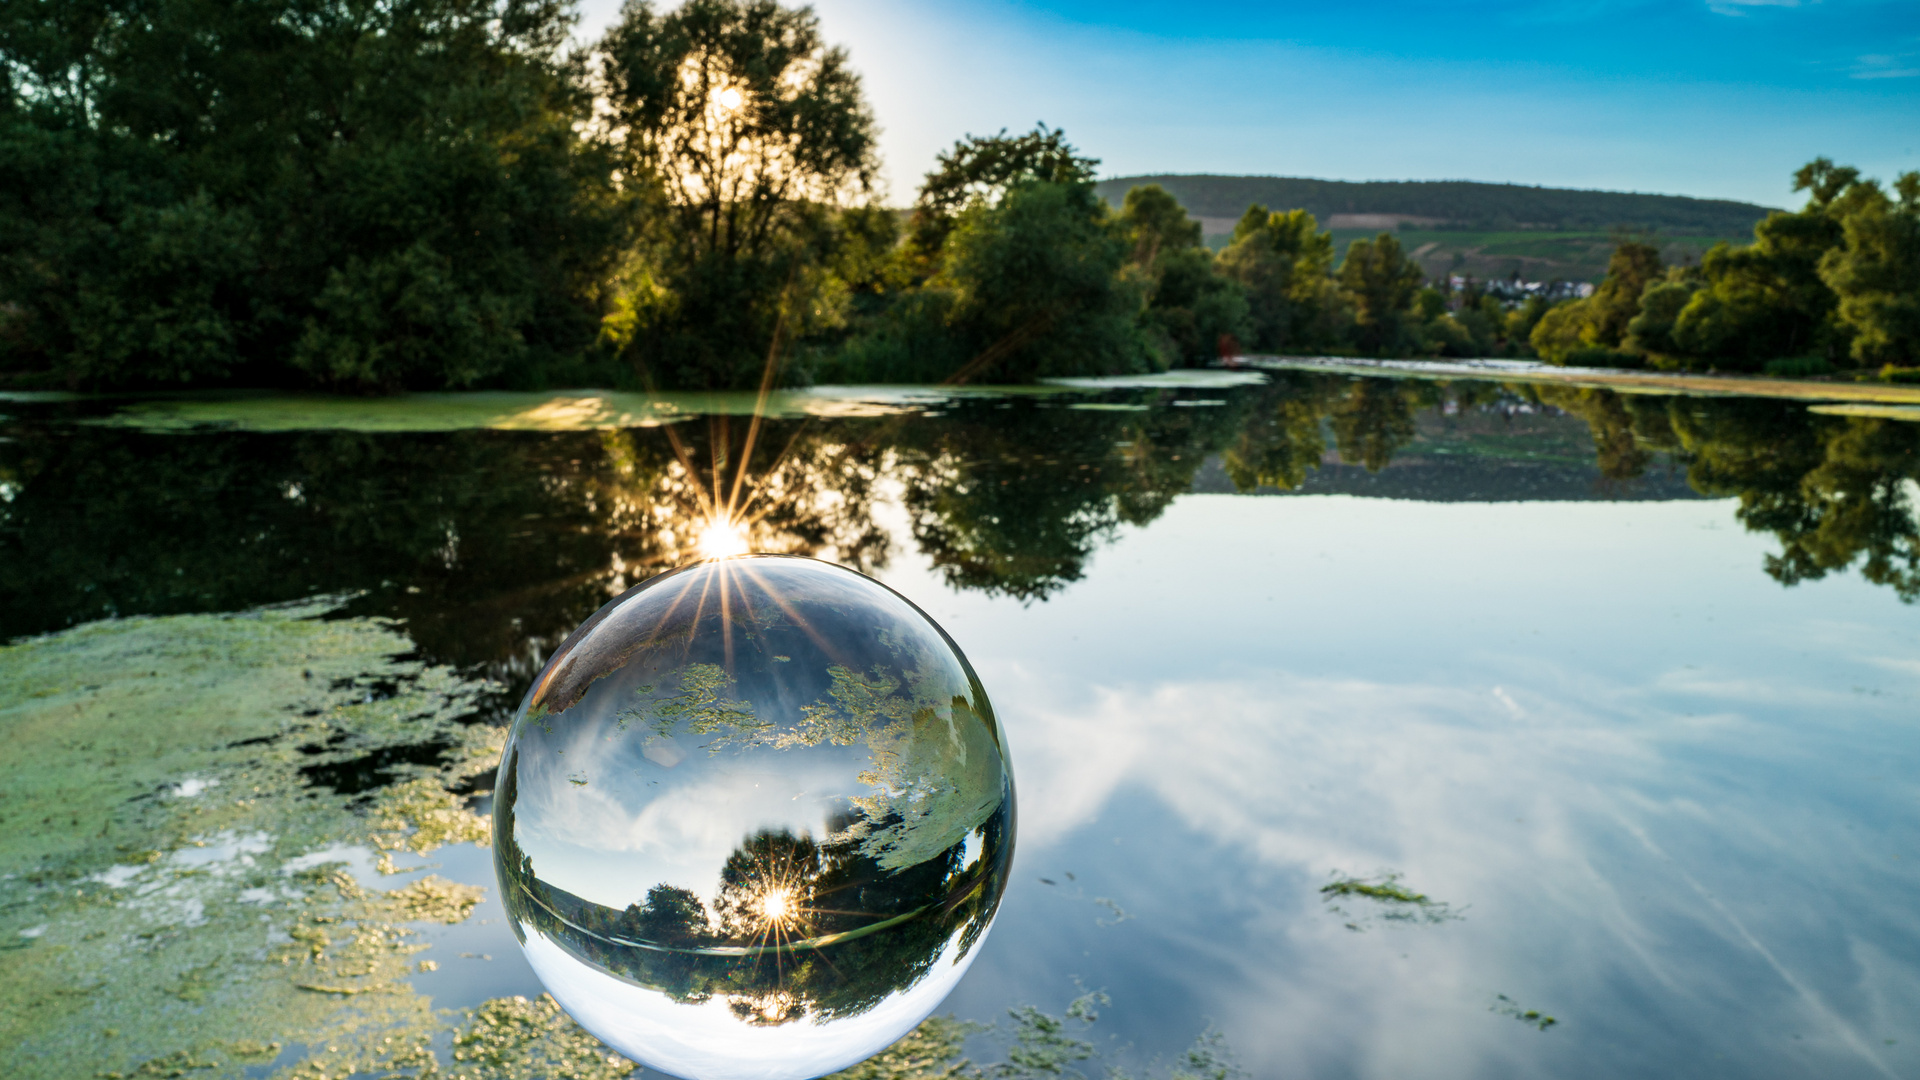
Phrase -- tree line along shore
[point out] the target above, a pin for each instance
(371, 198)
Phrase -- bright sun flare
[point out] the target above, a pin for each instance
(729, 98)
(776, 905)
(722, 538)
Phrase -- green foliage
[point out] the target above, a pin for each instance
(982, 169)
(1285, 264)
(1633, 267)
(1023, 276)
(1037, 287)
(1840, 279)
(1797, 367)
(1767, 300)
(375, 198)
(756, 131)
(1875, 274)
(1650, 331)
(1560, 330)
(1590, 332)
(1157, 224)
(908, 342)
(1760, 301)
(1193, 314)
(1378, 281)
(367, 196)
(1469, 324)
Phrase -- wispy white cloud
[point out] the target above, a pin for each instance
(1742, 7)
(1880, 66)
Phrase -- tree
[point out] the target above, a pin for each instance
(1379, 281)
(1285, 264)
(1590, 332)
(361, 196)
(1767, 300)
(1650, 332)
(1613, 305)
(1036, 287)
(982, 169)
(1876, 274)
(1022, 265)
(757, 133)
(1192, 313)
(1560, 331)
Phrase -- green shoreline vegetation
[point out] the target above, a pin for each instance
(445, 195)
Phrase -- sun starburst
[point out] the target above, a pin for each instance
(723, 537)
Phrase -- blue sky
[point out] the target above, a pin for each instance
(1714, 98)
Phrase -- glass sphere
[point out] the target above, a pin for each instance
(753, 819)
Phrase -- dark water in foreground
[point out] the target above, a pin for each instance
(1624, 687)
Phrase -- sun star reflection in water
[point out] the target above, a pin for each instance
(754, 818)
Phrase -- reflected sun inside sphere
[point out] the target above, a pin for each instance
(754, 818)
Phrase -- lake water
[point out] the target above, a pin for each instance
(1374, 722)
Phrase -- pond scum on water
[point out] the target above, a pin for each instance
(175, 891)
(174, 897)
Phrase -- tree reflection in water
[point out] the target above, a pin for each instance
(1833, 490)
(493, 545)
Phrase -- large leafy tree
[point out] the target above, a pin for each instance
(757, 134)
(1285, 263)
(353, 194)
(1036, 287)
(1193, 314)
(981, 169)
(1379, 281)
(1591, 331)
(1022, 267)
(1767, 300)
(1875, 274)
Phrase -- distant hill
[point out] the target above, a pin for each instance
(1457, 204)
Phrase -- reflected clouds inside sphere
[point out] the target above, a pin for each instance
(753, 819)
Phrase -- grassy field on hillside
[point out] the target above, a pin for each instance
(1535, 254)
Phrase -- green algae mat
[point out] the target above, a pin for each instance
(175, 894)
(503, 410)
(179, 898)
(582, 410)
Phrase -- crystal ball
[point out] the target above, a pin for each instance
(753, 819)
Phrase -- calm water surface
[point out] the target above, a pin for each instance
(1622, 687)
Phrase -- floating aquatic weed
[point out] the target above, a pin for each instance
(1382, 897)
(1506, 1006)
(1040, 1046)
(182, 882)
(753, 819)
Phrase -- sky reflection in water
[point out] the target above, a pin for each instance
(1671, 801)
(1674, 800)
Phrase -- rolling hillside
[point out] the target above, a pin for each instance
(1459, 226)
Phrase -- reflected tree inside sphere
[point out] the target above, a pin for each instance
(753, 819)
